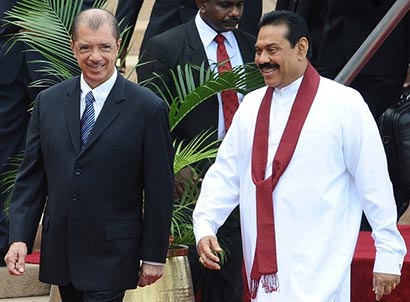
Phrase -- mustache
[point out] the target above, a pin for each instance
(231, 20)
(268, 66)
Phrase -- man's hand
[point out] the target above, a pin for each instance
(15, 258)
(149, 274)
(383, 284)
(208, 249)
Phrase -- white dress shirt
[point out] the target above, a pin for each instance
(207, 35)
(100, 93)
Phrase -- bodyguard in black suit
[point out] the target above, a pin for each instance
(347, 25)
(96, 225)
(179, 46)
(15, 99)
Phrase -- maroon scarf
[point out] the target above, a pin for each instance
(265, 267)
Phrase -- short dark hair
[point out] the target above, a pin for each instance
(297, 27)
(94, 18)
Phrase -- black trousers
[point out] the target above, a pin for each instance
(69, 293)
(15, 99)
(225, 285)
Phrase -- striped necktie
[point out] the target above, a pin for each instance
(88, 118)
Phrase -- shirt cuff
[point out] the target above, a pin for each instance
(153, 263)
(387, 264)
(201, 232)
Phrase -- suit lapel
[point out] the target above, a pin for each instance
(72, 114)
(108, 113)
(246, 46)
(197, 52)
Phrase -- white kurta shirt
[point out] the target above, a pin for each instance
(338, 168)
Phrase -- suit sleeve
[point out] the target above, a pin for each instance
(29, 192)
(158, 185)
(153, 70)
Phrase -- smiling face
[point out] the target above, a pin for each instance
(96, 52)
(221, 15)
(279, 63)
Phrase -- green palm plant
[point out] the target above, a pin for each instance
(189, 94)
(242, 78)
(46, 28)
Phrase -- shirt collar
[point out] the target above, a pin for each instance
(101, 91)
(292, 88)
(208, 34)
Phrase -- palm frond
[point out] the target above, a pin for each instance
(181, 224)
(243, 78)
(195, 151)
(8, 178)
(46, 27)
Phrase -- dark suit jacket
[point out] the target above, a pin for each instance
(96, 228)
(10, 61)
(179, 46)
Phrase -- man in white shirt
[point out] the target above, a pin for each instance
(302, 158)
(194, 43)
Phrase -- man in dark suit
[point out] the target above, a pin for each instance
(15, 99)
(16, 95)
(193, 43)
(99, 158)
(346, 25)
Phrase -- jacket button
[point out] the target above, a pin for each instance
(75, 197)
(77, 171)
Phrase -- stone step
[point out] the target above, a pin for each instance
(22, 286)
(27, 284)
(28, 299)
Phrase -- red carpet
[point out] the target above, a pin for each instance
(362, 271)
(33, 258)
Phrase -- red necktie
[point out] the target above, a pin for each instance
(229, 97)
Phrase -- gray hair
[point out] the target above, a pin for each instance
(94, 18)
